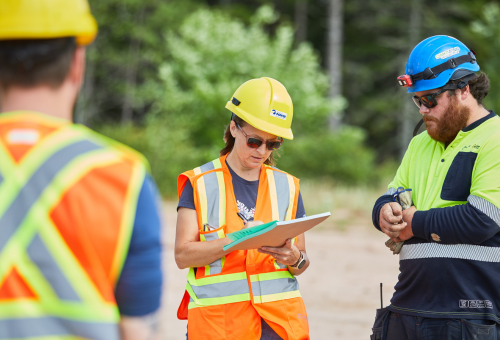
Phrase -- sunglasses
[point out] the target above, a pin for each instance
(429, 100)
(256, 142)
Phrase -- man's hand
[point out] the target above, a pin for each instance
(407, 232)
(391, 220)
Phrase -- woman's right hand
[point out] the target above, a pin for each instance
(252, 224)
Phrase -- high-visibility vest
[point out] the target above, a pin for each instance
(227, 298)
(67, 206)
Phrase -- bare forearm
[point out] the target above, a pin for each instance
(199, 254)
(296, 271)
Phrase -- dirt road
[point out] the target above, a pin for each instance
(340, 288)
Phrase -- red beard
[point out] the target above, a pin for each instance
(447, 128)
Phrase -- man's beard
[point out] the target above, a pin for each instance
(453, 120)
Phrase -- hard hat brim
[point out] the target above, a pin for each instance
(259, 123)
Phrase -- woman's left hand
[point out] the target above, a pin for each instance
(287, 255)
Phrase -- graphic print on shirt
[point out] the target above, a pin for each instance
(248, 213)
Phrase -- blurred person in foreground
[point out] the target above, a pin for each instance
(450, 262)
(79, 225)
(252, 294)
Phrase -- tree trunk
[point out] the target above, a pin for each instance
(131, 73)
(300, 21)
(334, 55)
(410, 115)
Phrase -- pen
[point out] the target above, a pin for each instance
(240, 215)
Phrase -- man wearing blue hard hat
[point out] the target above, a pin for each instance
(449, 283)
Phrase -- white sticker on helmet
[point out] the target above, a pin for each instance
(278, 114)
(448, 53)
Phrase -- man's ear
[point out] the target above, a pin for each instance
(465, 92)
(77, 69)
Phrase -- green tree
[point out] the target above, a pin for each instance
(210, 56)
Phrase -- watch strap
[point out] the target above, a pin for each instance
(295, 265)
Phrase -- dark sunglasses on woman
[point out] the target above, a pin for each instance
(256, 142)
(429, 100)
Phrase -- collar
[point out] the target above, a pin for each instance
(479, 122)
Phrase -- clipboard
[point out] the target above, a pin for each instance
(272, 234)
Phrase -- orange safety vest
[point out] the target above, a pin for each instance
(227, 298)
(67, 207)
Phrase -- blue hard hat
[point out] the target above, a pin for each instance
(441, 53)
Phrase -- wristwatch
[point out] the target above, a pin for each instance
(300, 262)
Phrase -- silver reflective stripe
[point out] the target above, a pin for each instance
(41, 179)
(221, 289)
(391, 191)
(1, 178)
(216, 266)
(282, 193)
(486, 207)
(282, 266)
(276, 286)
(452, 251)
(53, 327)
(41, 256)
(212, 191)
(207, 167)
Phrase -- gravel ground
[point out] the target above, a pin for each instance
(340, 288)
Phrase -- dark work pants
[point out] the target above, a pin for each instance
(408, 327)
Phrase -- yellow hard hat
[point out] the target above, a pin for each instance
(265, 104)
(45, 19)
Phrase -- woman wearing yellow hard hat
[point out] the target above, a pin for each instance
(249, 294)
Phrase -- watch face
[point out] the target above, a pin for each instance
(302, 263)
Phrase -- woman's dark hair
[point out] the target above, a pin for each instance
(33, 62)
(229, 139)
(479, 86)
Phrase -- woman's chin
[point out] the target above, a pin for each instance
(255, 162)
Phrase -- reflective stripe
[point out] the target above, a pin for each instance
(41, 256)
(212, 195)
(291, 185)
(216, 266)
(452, 251)
(277, 297)
(274, 286)
(282, 193)
(34, 187)
(1, 179)
(486, 207)
(217, 290)
(272, 192)
(221, 289)
(53, 327)
(278, 265)
(207, 167)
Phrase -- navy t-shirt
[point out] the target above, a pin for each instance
(245, 193)
(138, 290)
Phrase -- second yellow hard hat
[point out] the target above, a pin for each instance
(265, 104)
(45, 19)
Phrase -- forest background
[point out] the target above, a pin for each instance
(161, 71)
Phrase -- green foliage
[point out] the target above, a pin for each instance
(211, 55)
(487, 30)
(340, 156)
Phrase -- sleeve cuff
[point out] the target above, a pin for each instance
(381, 201)
(418, 224)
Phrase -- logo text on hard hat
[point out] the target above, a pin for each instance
(278, 114)
(448, 53)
